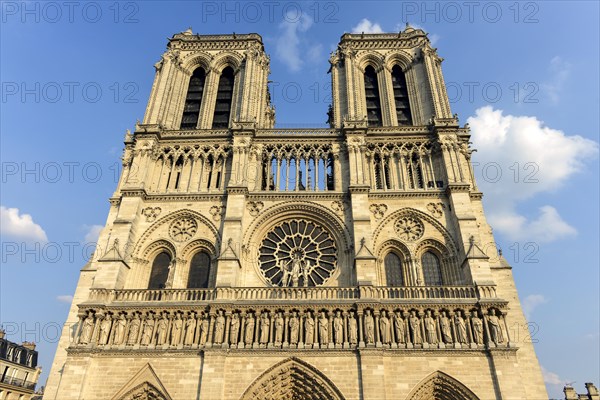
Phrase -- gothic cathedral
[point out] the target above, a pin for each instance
(243, 261)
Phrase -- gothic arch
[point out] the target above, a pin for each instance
(441, 386)
(167, 219)
(145, 385)
(292, 379)
(373, 59)
(447, 238)
(227, 59)
(195, 60)
(399, 58)
(401, 250)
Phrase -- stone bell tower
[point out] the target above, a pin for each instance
(242, 261)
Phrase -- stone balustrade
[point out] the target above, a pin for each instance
(293, 293)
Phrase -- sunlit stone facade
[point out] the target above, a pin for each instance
(242, 261)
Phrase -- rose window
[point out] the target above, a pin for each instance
(409, 228)
(298, 253)
(183, 229)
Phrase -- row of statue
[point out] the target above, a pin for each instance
(308, 329)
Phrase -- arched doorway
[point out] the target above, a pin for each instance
(292, 379)
(441, 386)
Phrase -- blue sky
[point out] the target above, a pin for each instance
(524, 75)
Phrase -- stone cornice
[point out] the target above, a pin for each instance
(194, 351)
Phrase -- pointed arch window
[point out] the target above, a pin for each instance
(160, 271)
(393, 270)
(199, 274)
(432, 272)
(401, 96)
(193, 100)
(372, 97)
(224, 99)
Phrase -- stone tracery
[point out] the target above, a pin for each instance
(298, 253)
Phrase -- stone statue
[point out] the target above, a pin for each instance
(120, 326)
(176, 330)
(461, 328)
(309, 329)
(204, 326)
(495, 328)
(296, 270)
(234, 329)
(384, 328)
(415, 327)
(170, 275)
(190, 330)
(264, 328)
(148, 330)
(430, 330)
(105, 326)
(338, 328)
(323, 328)
(219, 328)
(161, 330)
(477, 328)
(445, 328)
(352, 328)
(294, 325)
(279, 323)
(284, 272)
(134, 329)
(369, 327)
(249, 333)
(87, 329)
(399, 327)
(306, 273)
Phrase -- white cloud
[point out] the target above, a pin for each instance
(531, 302)
(547, 227)
(366, 26)
(289, 42)
(65, 298)
(519, 157)
(560, 70)
(21, 226)
(93, 231)
(551, 378)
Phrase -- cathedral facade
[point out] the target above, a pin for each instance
(243, 261)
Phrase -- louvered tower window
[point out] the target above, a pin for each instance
(372, 97)
(193, 100)
(224, 97)
(401, 96)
